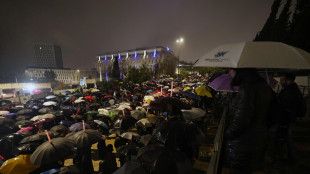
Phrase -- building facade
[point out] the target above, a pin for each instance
(48, 56)
(160, 59)
(65, 76)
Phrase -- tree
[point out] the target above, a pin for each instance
(268, 29)
(300, 26)
(138, 75)
(282, 26)
(115, 69)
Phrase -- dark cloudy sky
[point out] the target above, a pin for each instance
(86, 28)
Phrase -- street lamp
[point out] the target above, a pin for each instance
(179, 42)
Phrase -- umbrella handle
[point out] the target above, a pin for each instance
(48, 136)
(83, 125)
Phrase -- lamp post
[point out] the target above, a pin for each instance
(179, 42)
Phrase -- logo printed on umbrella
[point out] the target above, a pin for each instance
(220, 54)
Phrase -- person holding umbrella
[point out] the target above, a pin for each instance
(247, 133)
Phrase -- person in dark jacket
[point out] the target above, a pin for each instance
(292, 106)
(247, 134)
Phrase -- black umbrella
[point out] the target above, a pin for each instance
(78, 127)
(24, 123)
(23, 117)
(191, 95)
(146, 139)
(180, 134)
(176, 103)
(39, 137)
(127, 148)
(60, 129)
(9, 143)
(85, 138)
(131, 167)
(24, 112)
(163, 160)
(116, 131)
(24, 149)
(136, 114)
(52, 150)
(6, 121)
(45, 110)
(127, 122)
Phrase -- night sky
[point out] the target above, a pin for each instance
(87, 28)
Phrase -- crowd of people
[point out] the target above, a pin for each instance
(156, 126)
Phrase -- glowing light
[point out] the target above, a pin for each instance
(105, 57)
(135, 54)
(154, 53)
(181, 40)
(99, 58)
(144, 54)
(30, 87)
(126, 55)
(119, 56)
(136, 66)
(112, 57)
(168, 49)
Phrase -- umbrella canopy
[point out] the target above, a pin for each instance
(85, 138)
(10, 115)
(103, 111)
(92, 112)
(126, 148)
(39, 137)
(193, 114)
(50, 97)
(29, 148)
(187, 89)
(45, 110)
(146, 139)
(50, 103)
(78, 127)
(102, 124)
(60, 129)
(66, 92)
(89, 98)
(23, 117)
(131, 167)
(79, 101)
(144, 122)
(162, 102)
(203, 91)
(136, 114)
(6, 121)
(4, 112)
(26, 129)
(107, 96)
(95, 90)
(53, 150)
(24, 112)
(256, 55)
(190, 95)
(24, 123)
(222, 83)
(20, 164)
(130, 135)
(40, 117)
(139, 108)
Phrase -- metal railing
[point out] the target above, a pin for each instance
(218, 143)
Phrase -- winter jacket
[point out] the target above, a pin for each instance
(247, 134)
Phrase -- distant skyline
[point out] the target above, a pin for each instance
(84, 29)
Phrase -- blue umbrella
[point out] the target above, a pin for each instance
(149, 91)
(190, 95)
(78, 127)
(52, 171)
(9, 114)
(66, 92)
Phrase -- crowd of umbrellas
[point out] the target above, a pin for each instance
(155, 125)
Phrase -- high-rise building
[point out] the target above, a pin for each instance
(48, 55)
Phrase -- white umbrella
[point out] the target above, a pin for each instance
(50, 103)
(130, 135)
(121, 107)
(194, 113)
(103, 112)
(256, 55)
(4, 112)
(50, 97)
(141, 109)
(95, 90)
(144, 122)
(79, 101)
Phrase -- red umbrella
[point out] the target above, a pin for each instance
(42, 121)
(107, 96)
(89, 98)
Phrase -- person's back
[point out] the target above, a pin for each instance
(247, 134)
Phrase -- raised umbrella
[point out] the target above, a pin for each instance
(50, 97)
(203, 91)
(162, 103)
(10, 115)
(85, 138)
(131, 167)
(136, 114)
(28, 148)
(6, 121)
(52, 150)
(193, 114)
(78, 127)
(23, 117)
(144, 122)
(190, 95)
(45, 110)
(92, 112)
(24, 112)
(39, 137)
(19, 164)
(89, 98)
(50, 103)
(24, 123)
(102, 124)
(60, 129)
(146, 139)
(130, 136)
(26, 129)
(4, 112)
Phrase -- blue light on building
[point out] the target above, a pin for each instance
(154, 52)
(168, 49)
